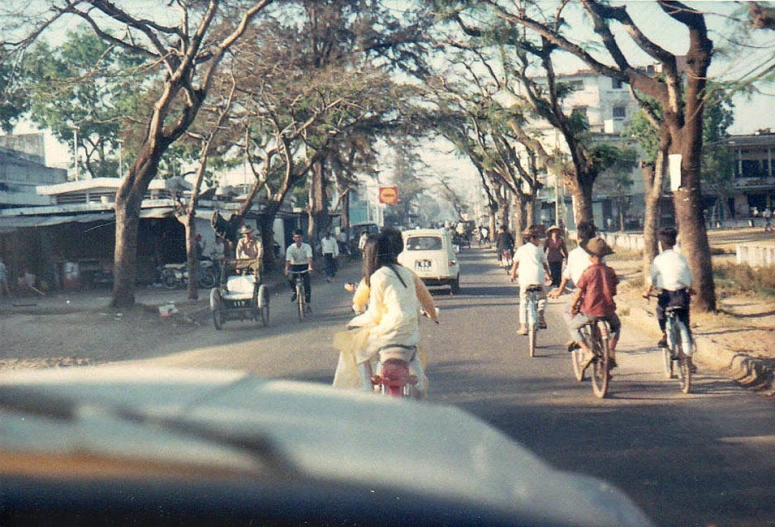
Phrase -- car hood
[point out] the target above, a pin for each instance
(229, 421)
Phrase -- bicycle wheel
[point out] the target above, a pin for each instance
(684, 374)
(206, 278)
(169, 280)
(300, 299)
(577, 358)
(600, 374)
(667, 362)
(531, 339)
(263, 305)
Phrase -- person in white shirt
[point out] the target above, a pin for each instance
(530, 261)
(578, 261)
(670, 274)
(330, 249)
(298, 257)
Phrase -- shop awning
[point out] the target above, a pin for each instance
(12, 223)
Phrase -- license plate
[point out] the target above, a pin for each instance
(423, 265)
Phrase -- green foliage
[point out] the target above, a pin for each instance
(13, 102)
(717, 159)
(84, 82)
(644, 132)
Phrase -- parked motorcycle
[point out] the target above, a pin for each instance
(174, 276)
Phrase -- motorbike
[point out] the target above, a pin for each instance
(174, 276)
(396, 380)
(506, 259)
(393, 377)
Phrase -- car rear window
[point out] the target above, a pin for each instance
(423, 243)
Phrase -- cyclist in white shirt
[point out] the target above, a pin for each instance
(533, 267)
(578, 261)
(298, 257)
(670, 274)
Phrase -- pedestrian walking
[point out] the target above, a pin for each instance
(556, 253)
(767, 215)
(330, 249)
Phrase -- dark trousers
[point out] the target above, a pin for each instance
(555, 270)
(304, 276)
(679, 299)
(330, 263)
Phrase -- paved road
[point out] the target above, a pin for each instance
(700, 459)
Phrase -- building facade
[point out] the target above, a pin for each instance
(753, 173)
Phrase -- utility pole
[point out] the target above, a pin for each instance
(120, 158)
(75, 150)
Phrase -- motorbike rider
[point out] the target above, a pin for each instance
(390, 324)
(504, 242)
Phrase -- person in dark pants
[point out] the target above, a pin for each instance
(298, 257)
(504, 242)
(556, 253)
(330, 249)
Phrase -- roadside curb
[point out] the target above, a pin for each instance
(749, 372)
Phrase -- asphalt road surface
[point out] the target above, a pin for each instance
(707, 458)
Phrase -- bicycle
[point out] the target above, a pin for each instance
(678, 335)
(532, 296)
(596, 335)
(301, 294)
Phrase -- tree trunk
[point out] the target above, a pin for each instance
(346, 212)
(520, 218)
(129, 199)
(687, 138)
(503, 207)
(192, 258)
(318, 202)
(693, 233)
(581, 196)
(125, 256)
(266, 224)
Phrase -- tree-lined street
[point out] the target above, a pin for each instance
(698, 459)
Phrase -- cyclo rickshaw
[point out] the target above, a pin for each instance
(240, 295)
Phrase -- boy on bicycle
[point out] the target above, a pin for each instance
(594, 298)
(533, 267)
(298, 258)
(670, 274)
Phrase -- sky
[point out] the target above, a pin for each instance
(750, 114)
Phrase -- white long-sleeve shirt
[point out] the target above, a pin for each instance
(670, 270)
(329, 246)
(393, 310)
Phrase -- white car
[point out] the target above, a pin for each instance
(430, 254)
